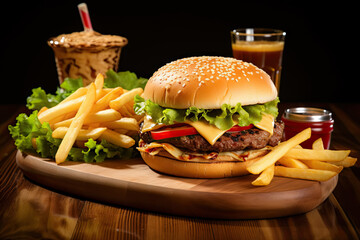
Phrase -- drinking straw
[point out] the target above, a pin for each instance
(85, 17)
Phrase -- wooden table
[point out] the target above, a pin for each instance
(28, 210)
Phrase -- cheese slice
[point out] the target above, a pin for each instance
(266, 123)
(149, 124)
(208, 131)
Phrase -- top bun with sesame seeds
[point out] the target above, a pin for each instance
(208, 83)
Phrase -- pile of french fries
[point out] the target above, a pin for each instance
(289, 159)
(93, 112)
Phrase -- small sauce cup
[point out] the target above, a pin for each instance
(319, 120)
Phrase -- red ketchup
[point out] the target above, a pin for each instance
(319, 120)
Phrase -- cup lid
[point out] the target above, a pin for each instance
(307, 114)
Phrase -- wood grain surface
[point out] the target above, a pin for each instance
(32, 211)
(132, 183)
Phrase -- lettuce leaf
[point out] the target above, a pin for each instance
(98, 152)
(127, 80)
(70, 85)
(222, 118)
(28, 128)
(39, 98)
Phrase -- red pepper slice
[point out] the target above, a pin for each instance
(186, 130)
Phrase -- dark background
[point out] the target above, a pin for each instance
(320, 57)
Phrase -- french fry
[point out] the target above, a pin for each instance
(307, 174)
(124, 98)
(318, 144)
(61, 109)
(61, 118)
(347, 162)
(42, 110)
(103, 102)
(70, 115)
(33, 143)
(265, 177)
(124, 112)
(78, 93)
(75, 126)
(323, 166)
(83, 135)
(64, 123)
(97, 117)
(117, 138)
(291, 162)
(319, 155)
(103, 116)
(99, 81)
(278, 151)
(92, 125)
(130, 107)
(107, 90)
(124, 123)
(122, 131)
(57, 119)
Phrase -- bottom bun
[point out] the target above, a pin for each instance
(216, 169)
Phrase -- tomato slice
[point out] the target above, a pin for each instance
(238, 128)
(171, 131)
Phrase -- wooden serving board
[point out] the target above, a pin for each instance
(132, 183)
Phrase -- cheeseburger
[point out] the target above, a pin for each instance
(207, 117)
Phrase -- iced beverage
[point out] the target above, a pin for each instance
(85, 54)
(265, 55)
(261, 46)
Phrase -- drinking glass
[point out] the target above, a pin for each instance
(261, 46)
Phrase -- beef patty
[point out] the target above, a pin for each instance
(253, 138)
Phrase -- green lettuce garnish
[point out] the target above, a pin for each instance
(222, 118)
(28, 128)
(127, 80)
(39, 98)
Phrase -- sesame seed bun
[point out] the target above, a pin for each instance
(209, 82)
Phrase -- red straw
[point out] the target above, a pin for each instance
(85, 17)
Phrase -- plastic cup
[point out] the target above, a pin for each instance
(86, 54)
